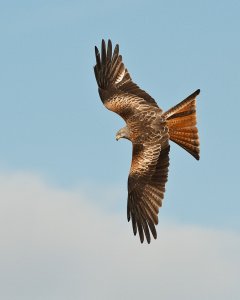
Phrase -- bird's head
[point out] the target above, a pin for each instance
(123, 133)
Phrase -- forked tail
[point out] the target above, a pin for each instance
(181, 120)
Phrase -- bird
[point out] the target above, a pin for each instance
(150, 130)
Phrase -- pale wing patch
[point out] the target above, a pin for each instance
(120, 77)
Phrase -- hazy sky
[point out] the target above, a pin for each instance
(62, 173)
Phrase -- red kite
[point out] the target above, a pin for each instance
(149, 129)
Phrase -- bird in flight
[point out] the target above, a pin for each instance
(150, 130)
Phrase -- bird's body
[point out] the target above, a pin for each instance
(149, 129)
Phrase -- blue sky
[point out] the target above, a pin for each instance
(53, 124)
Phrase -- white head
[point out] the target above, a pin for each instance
(123, 133)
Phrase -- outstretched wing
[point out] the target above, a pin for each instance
(117, 90)
(146, 181)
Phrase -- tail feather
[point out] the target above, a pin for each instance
(182, 120)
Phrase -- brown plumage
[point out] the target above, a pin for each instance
(149, 130)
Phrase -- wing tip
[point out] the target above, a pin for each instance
(96, 50)
(107, 42)
(197, 156)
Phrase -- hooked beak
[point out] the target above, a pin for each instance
(117, 137)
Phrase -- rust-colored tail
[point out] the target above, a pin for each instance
(181, 120)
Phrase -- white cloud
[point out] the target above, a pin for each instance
(56, 244)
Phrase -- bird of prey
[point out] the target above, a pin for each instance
(150, 130)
